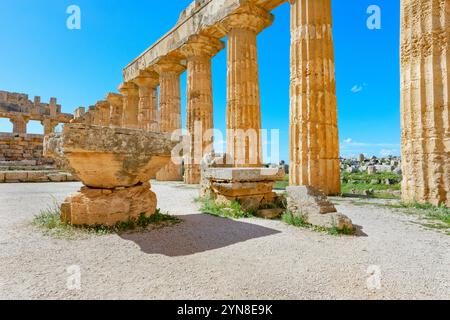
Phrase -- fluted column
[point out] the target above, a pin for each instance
(425, 92)
(147, 84)
(169, 71)
(102, 113)
(243, 95)
(130, 95)
(199, 118)
(19, 124)
(314, 138)
(116, 109)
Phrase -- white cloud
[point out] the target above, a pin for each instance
(350, 143)
(357, 88)
(388, 152)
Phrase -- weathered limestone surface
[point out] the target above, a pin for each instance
(115, 165)
(243, 96)
(20, 110)
(106, 157)
(108, 206)
(198, 52)
(147, 116)
(169, 71)
(130, 93)
(116, 109)
(314, 150)
(35, 176)
(314, 206)
(252, 187)
(18, 147)
(425, 71)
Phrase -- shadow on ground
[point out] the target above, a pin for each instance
(197, 233)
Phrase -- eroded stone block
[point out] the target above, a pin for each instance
(315, 207)
(108, 206)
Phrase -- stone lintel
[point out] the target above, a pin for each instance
(202, 18)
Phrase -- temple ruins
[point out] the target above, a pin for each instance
(149, 102)
(21, 153)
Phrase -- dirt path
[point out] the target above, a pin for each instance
(213, 258)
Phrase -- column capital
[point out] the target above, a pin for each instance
(128, 88)
(169, 65)
(19, 117)
(102, 104)
(249, 17)
(202, 46)
(147, 80)
(115, 99)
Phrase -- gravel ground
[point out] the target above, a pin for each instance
(206, 257)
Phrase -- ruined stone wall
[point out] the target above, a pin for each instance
(20, 147)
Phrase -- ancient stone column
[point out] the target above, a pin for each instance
(154, 123)
(169, 71)
(49, 125)
(103, 113)
(130, 95)
(425, 93)
(19, 124)
(199, 119)
(116, 109)
(147, 84)
(243, 96)
(314, 140)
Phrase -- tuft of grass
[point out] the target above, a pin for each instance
(438, 217)
(299, 221)
(49, 221)
(233, 210)
(282, 185)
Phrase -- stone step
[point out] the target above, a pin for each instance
(27, 168)
(35, 176)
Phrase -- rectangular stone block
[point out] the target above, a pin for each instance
(2, 177)
(238, 189)
(37, 176)
(244, 174)
(15, 176)
(57, 177)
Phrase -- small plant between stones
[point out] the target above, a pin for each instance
(300, 222)
(49, 221)
(232, 210)
(235, 211)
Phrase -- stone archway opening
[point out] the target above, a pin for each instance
(35, 127)
(5, 125)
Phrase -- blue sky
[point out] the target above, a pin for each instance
(40, 56)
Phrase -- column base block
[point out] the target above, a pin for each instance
(90, 207)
